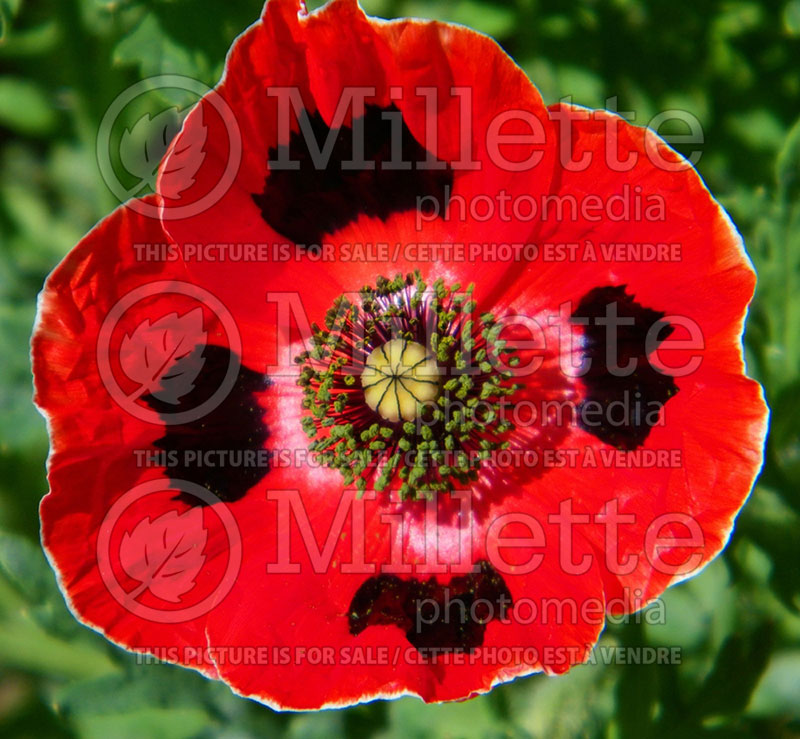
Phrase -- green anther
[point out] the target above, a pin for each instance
(487, 391)
(415, 475)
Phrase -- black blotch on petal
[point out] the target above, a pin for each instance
(643, 391)
(224, 450)
(450, 617)
(306, 203)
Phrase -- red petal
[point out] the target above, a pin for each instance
(303, 656)
(717, 421)
(321, 54)
(93, 460)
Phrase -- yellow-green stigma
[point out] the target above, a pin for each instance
(399, 379)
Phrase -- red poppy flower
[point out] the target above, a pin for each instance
(438, 380)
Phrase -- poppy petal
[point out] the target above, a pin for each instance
(102, 439)
(321, 56)
(710, 419)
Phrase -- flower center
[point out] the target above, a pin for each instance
(430, 408)
(399, 379)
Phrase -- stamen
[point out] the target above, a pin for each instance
(429, 410)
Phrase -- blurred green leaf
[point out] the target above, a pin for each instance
(787, 166)
(23, 644)
(744, 655)
(458, 720)
(791, 17)
(24, 107)
(8, 11)
(23, 565)
(636, 692)
(155, 723)
(579, 703)
(779, 687)
(784, 431)
(149, 48)
(39, 40)
(20, 429)
(148, 686)
(489, 18)
(760, 130)
(737, 18)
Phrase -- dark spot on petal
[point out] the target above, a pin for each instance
(306, 203)
(223, 451)
(629, 402)
(448, 617)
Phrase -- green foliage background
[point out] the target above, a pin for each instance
(734, 64)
